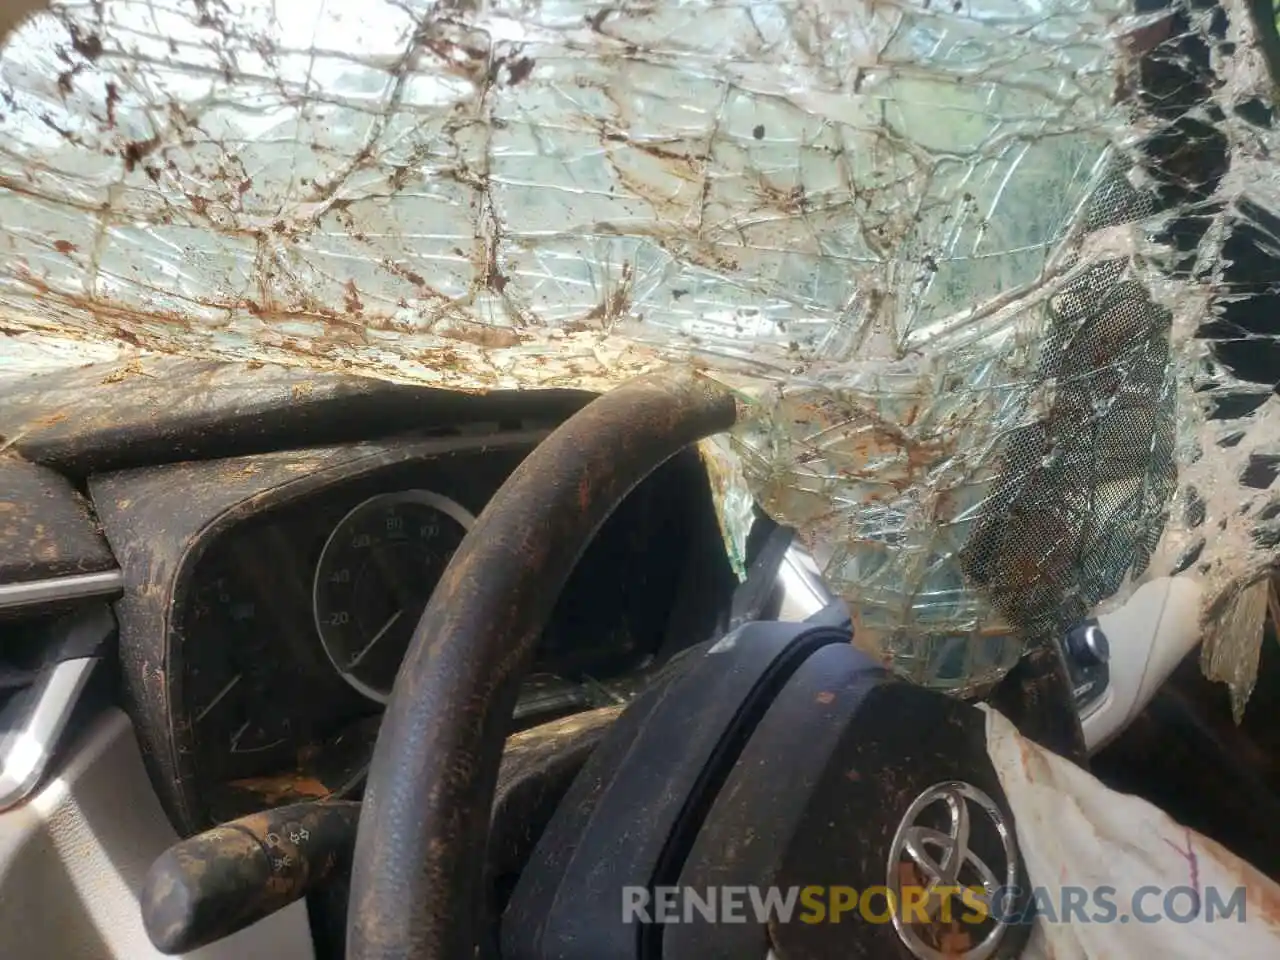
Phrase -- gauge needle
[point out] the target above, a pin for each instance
(376, 637)
(217, 699)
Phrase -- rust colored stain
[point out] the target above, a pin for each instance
(213, 884)
(944, 932)
(1259, 889)
(352, 299)
(64, 246)
(955, 943)
(519, 70)
(483, 336)
(284, 787)
(89, 47)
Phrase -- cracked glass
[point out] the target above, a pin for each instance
(995, 280)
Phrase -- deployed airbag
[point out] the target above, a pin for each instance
(1085, 843)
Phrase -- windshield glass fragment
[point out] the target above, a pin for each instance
(990, 276)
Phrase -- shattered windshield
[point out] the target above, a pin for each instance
(991, 277)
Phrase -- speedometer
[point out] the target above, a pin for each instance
(375, 575)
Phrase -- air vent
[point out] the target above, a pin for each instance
(45, 664)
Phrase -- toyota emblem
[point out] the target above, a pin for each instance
(936, 849)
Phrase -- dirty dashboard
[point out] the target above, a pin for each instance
(274, 562)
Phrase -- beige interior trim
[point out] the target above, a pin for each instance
(73, 857)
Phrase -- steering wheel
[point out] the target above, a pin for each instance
(417, 869)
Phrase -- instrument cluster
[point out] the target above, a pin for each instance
(291, 624)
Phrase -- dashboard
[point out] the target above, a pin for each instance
(274, 537)
(268, 539)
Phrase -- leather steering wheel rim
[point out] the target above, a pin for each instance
(417, 866)
(419, 848)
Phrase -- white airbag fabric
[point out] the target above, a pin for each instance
(1075, 832)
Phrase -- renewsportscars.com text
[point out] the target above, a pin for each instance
(818, 904)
